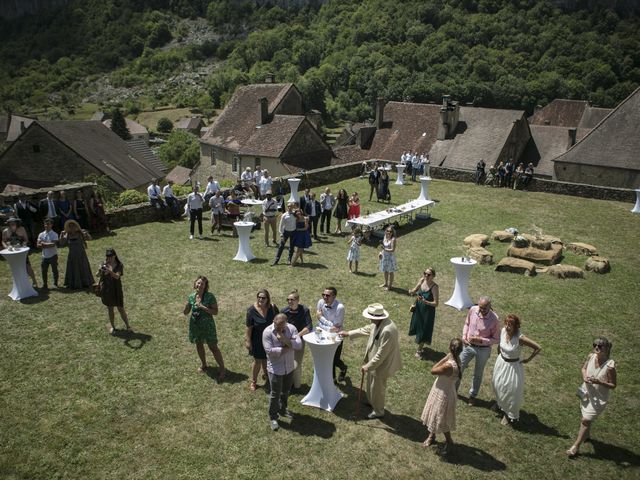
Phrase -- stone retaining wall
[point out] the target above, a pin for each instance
(142, 213)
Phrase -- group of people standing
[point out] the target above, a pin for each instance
(415, 164)
(504, 175)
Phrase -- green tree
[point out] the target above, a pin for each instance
(181, 149)
(164, 125)
(119, 124)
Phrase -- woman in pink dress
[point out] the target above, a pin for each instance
(439, 414)
(354, 206)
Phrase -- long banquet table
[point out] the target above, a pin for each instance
(406, 211)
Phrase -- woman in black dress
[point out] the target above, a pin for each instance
(110, 278)
(342, 209)
(78, 273)
(80, 210)
(383, 186)
(259, 316)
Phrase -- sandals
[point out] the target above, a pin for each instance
(572, 452)
(429, 441)
(253, 385)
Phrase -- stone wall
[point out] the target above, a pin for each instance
(143, 213)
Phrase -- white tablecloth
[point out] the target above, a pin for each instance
(378, 219)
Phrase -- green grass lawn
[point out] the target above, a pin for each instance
(78, 403)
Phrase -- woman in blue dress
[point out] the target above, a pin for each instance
(301, 238)
(65, 208)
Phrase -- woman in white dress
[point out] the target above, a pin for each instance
(599, 376)
(508, 372)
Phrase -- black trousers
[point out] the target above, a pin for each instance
(283, 240)
(193, 215)
(44, 266)
(325, 216)
(313, 225)
(337, 361)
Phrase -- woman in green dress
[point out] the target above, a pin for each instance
(424, 312)
(202, 328)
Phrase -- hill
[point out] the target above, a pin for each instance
(342, 54)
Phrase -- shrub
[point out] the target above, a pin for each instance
(164, 125)
(131, 197)
(180, 190)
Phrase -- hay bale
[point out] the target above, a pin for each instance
(582, 249)
(551, 239)
(565, 271)
(520, 242)
(516, 265)
(502, 236)
(598, 264)
(482, 255)
(545, 257)
(541, 244)
(476, 240)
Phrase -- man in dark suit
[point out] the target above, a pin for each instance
(312, 210)
(25, 211)
(304, 199)
(48, 208)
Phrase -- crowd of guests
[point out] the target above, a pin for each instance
(504, 175)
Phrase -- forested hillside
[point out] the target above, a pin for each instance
(342, 55)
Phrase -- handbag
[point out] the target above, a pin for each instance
(581, 392)
(412, 308)
(97, 289)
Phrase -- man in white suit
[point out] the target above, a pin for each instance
(382, 357)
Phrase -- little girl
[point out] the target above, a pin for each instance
(354, 248)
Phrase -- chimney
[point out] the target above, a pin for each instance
(572, 137)
(443, 126)
(264, 111)
(446, 99)
(379, 112)
(271, 78)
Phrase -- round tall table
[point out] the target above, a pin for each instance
(244, 248)
(323, 393)
(424, 188)
(400, 179)
(17, 259)
(636, 208)
(460, 298)
(293, 185)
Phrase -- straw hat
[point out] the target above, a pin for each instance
(375, 311)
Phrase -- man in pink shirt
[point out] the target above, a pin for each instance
(481, 330)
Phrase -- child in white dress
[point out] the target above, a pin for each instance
(354, 249)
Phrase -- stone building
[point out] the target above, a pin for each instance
(59, 152)
(263, 124)
(192, 125)
(137, 131)
(608, 154)
(454, 136)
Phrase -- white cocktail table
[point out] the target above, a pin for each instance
(400, 179)
(636, 208)
(293, 185)
(424, 188)
(323, 393)
(17, 259)
(460, 298)
(244, 248)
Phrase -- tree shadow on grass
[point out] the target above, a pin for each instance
(229, 376)
(529, 423)
(307, 425)
(133, 340)
(474, 457)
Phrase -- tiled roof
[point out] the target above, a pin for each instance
(592, 116)
(270, 139)
(14, 126)
(145, 153)
(180, 175)
(134, 127)
(236, 124)
(189, 123)
(105, 150)
(560, 113)
(546, 143)
(614, 142)
(481, 133)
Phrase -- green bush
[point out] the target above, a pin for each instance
(180, 190)
(164, 125)
(131, 197)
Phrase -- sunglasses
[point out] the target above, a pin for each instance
(427, 274)
(599, 346)
(261, 297)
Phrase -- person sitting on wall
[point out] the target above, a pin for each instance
(153, 192)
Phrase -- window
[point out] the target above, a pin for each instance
(36, 148)
(257, 163)
(214, 156)
(235, 164)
